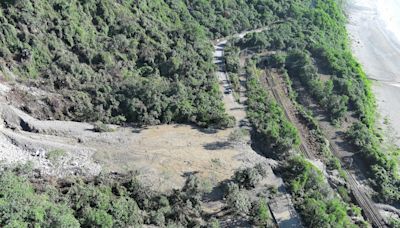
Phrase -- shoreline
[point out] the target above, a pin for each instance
(375, 42)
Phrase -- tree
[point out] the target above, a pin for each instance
(97, 218)
(125, 212)
(20, 205)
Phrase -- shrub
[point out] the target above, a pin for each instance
(101, 127)
(237, 135)
(247, 177)
(260, 214)
(237, 200)
(55, 155)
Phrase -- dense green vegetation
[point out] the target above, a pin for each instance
(273, 130)
(20, 206)
(241, 200)
(314, 199)
(306, 117)
(300, 65)
(145, 62)
(312, 36)
(150, 62)
(383, 164)
(119, 201)
(317, 29)
(99, 203)
(222, 18)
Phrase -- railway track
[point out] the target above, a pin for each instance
(271, 83)
(363, 200)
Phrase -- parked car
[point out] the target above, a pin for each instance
(228, 91)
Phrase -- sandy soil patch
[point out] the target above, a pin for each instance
(375, 35)
(165, 154)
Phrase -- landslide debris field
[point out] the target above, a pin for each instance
(161, 154)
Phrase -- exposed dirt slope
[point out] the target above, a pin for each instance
(162, 154)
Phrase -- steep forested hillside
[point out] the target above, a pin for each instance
(115, 61)
(222, 18)
(145, 62)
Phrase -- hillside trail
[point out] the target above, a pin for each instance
(233, 108)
